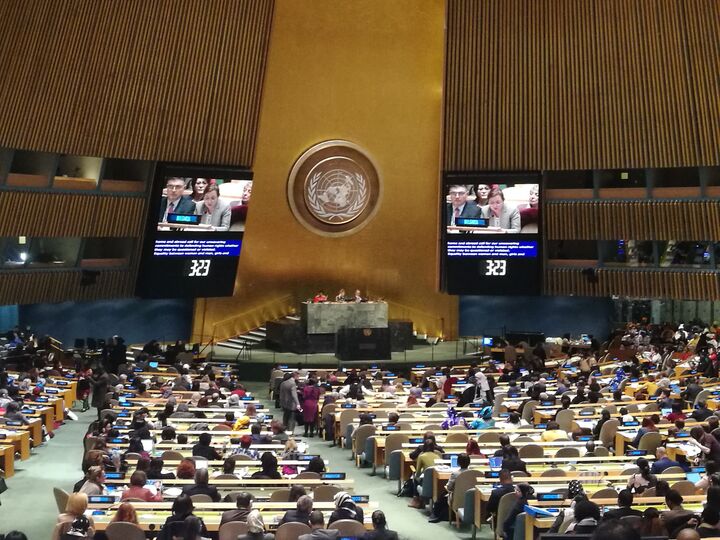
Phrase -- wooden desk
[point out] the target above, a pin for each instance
(7, 453)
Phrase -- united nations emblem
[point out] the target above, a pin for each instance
(334, 188)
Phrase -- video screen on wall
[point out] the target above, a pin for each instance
(491, 234)
(194, 231)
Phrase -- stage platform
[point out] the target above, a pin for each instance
(255, 364)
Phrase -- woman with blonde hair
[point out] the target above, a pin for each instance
(75, 507)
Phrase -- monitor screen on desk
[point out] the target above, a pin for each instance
(194, 231)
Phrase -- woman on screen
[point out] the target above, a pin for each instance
(214, 211)
(481, 194)
(199, 186)
(529, 213)
(501, 215)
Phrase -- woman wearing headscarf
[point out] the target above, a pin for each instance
(345, 508)
(256, 528)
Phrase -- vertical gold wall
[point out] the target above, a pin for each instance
(369, 71)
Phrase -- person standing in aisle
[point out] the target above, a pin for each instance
(289, 400)
(310, 396)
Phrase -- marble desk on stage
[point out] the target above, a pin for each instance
(329, 317)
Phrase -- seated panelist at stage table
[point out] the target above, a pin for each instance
(358, 297)
(214, 210)
(175, 202)
(500, 214)
(340, 296)
(320, 297)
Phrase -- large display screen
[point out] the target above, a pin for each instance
(491, 234)
(194, 231)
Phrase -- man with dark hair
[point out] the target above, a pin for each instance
(506, 486)
(615, 530)
(203, 448)
(319, 532)
(504, 442)
(625, 501)
(244, 506)
(701, 412)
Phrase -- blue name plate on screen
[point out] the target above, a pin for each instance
(636, 453)
(193, 219)
(416, 440)
(504, 415)
(492, 474)
(27, 411)
(137, 369)
(349, 406)
(390, 374)
(51, 390)
(333, 476)
(476, 405)
(390, 428)
(547, 403)
(513, 395)
(41, 400)
(407, 383)
(114, 475)
(419, 365)
(373, 366)
(681, 434)
(541, 426)
(13, 423)
(117, 440)
(635, 423)
(61, 383)
(471, 222)
(283, 366)
(246, 398)
(69, 376)
(587, 413)
(307, 457)
(585, 438)
(360, 498)
(124, 415)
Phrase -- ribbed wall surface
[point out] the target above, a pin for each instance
(161, 80)
(60, 285)
(633, 220)
(25, 213)
(581, 84)
(689, 285)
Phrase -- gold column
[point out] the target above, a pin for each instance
(371, 72)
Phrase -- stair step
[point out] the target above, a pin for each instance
(229, 345)
(293, 317)
(256, 333)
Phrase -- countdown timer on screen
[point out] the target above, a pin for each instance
(490, 234)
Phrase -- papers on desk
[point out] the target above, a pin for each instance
(690, 450)
(172, 492)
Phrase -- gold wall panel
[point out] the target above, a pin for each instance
(369, 72)
(581, 84)
(634, 220)
(54, 214)
(158, 80)
(53, 286)
(690, 285)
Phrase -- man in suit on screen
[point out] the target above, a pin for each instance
(175, 202)
(459, 206)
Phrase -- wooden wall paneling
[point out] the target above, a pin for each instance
(169, 80)
(581, 85)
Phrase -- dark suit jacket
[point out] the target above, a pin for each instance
(471, 210)
(202, 490)
(386, 534)
(621, 512)
(496, 495)
(184, 206)
(294, 515)
(239, 514)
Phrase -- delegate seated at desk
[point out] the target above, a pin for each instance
(175, 202)
(214, 210)
(459, 205)
(501, 215)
